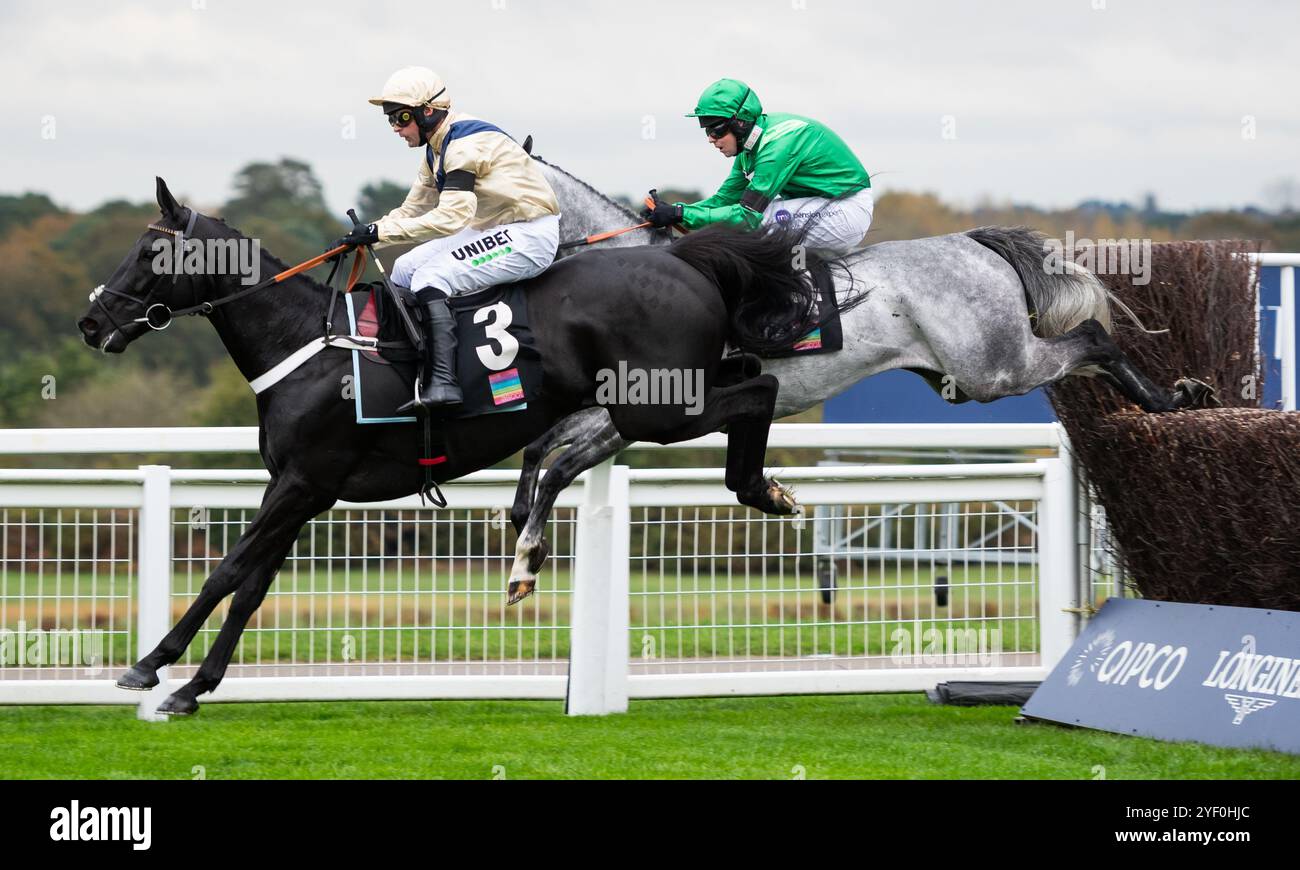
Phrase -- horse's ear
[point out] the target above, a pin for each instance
(170, 207)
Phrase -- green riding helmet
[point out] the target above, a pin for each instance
(733, 101)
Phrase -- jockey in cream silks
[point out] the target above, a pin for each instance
(480, 205)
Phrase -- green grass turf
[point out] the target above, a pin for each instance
(882, 736)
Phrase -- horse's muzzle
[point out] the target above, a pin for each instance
(108, 342)
(89, 328)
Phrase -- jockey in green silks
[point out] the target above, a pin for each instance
(788, 169)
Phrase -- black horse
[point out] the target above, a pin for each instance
(670, 307)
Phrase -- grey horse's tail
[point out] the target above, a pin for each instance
(1062, 301)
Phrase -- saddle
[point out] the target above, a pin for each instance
(497, 362)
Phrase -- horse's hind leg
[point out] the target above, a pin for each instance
(269, 539)
(1048, 360)
(1186, 393)
(590, 446)
(589, 422)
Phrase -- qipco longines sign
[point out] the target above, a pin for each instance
(1227, 676)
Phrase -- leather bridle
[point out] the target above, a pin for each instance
(149, 310)
(159, 315)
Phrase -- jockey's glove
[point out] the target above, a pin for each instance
(664, 214)
(366, 234)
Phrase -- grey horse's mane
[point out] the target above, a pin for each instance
(569, 175)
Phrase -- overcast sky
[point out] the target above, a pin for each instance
(1051, 101)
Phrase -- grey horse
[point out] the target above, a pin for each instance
(978, 315)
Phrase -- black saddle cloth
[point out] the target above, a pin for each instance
(498, 365)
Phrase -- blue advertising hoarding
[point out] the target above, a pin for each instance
(1226, 676)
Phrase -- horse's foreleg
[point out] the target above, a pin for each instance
(1049, 359)
(747, 451)
(220, 583)
(599, 441)
(746, 409)
(283, 514)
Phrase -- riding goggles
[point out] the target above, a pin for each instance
(717, 129)
(401, 117)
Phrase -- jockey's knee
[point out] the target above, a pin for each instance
(431, 293)
(404, 269)
(432, 280)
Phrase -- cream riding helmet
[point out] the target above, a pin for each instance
(412, 88)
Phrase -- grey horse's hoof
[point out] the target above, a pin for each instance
(520, 588)
(538, 556)
(178, 705)
(138, 680)
(1191, 393)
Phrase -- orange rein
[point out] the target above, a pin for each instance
(358, 264)
(600, 237)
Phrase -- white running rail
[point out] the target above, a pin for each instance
(659, 585)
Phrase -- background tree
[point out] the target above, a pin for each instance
(283, 205)
(227, 400)
(51, 258)
(378, 198)
(24, 209)
(99, 239)
(42, 292)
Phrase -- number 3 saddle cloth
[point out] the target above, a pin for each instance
(497, 362)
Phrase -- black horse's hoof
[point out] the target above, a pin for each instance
(138, 680)
(770, 498)
(178, 705)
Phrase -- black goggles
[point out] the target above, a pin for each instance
(716, 129)
(401, 117)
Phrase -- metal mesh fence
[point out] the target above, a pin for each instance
(386, 592)
(67, 591)
(392, 591)
(854, 586)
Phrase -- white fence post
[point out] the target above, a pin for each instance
(154, 577)
(598, 665)
(1083, 534)
(1058, 561)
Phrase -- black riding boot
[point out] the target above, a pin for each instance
(438, 384)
